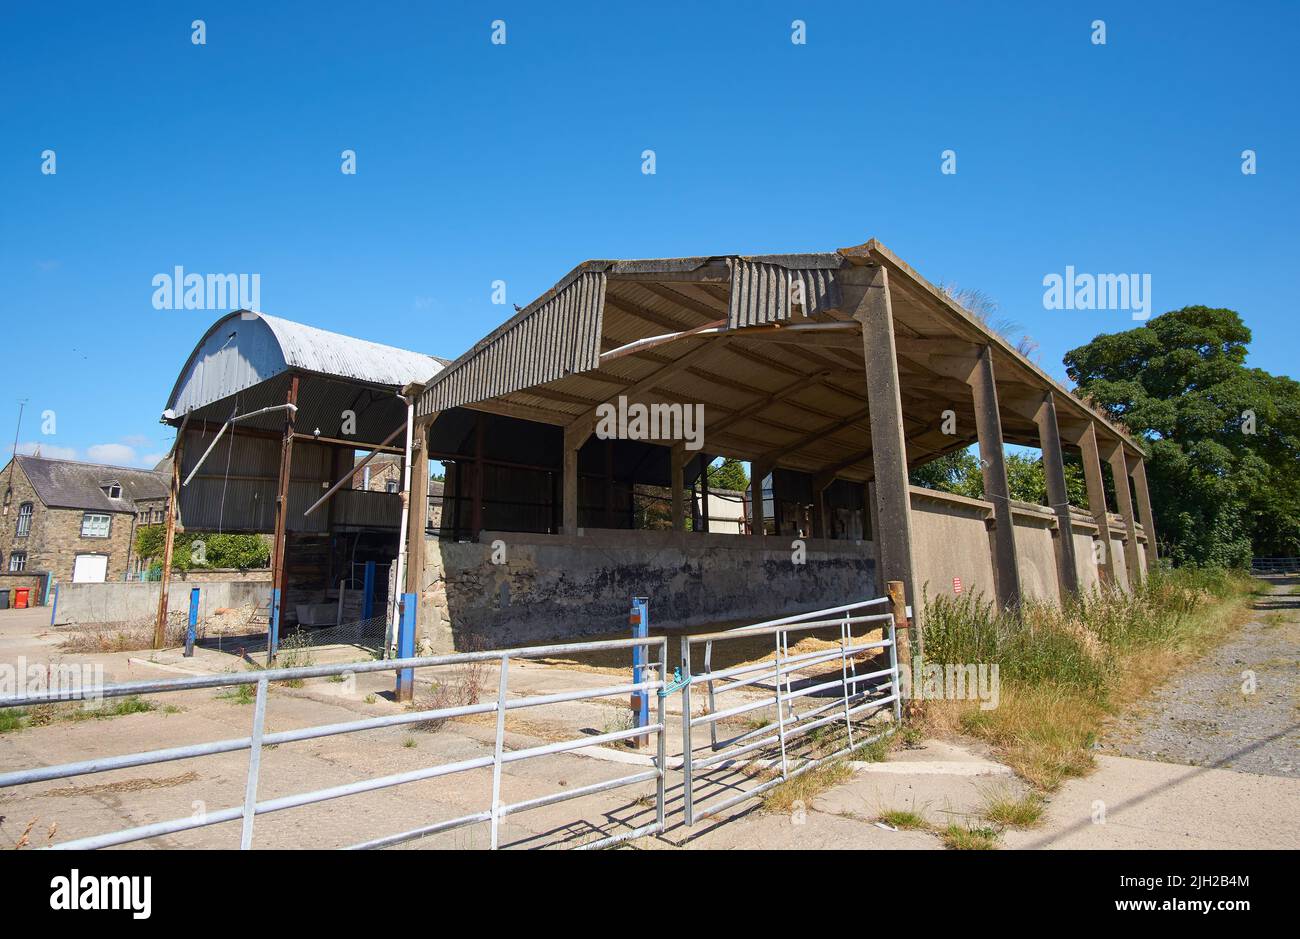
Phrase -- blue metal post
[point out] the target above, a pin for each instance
(273, 633)
(54, 610)
(639, 619)
(406, 646)
(192, 630)
(368, 593)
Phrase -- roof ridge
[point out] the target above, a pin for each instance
(107, 466)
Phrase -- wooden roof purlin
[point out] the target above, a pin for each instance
(778, 387)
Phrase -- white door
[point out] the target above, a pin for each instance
(90, 569)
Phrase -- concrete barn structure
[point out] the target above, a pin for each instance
(833, 374)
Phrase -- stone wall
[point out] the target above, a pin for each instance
(554, 587)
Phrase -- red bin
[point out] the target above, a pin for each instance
(20, 597)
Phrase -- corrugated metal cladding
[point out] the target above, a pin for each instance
(765, 293)
(236, 488)
(244, 349)
(561, 336)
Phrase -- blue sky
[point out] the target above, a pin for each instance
(478, 162)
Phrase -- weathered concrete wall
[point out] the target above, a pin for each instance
(950, 538)
(123, 602)
(1117, 552)
(553, 587)
(1085, 557)
(1040, 576)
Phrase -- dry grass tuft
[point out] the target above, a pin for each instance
(805, 787)
(904, 820)
(1004, 809)
(133, 636)
(459, 688)
(959, 837)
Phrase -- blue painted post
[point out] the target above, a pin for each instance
(273, 633)
(406, 646)
(192, 631)
(54, 610)
(639, 619)
(368, 594)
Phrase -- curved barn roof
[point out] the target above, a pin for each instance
(245, 348)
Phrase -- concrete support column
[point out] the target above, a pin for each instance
(1086, 441)
(704, 494)
(1138, 470)
(476, 510)
(1124, 502)
(575, 435)
(988, 426)
(677, 466)
(893, 534)
(1049, 439)
(821, 517)
(757, 473)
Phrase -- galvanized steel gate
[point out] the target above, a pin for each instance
(803, 703)
(794, 703)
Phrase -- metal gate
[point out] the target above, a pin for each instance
(490, 815)
(786, 703)
(803, 709)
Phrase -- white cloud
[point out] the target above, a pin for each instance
(116, 453)
(150, 460)
(48, 450)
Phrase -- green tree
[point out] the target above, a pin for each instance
(728, 474)
(960, 474)
(1224, 439)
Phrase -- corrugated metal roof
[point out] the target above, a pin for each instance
(559, 333)
(319, 350)
(525, 351)
(67, 484)
(244, 348)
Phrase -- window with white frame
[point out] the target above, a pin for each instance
(24, 520)
(95, 526)
(17, 562)
(114, 491)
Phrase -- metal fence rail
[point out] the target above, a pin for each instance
(258, 739)
(799, 710)
(1275, 565)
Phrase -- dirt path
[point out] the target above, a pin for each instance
(1236, 708)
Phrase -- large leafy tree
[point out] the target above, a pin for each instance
(959, 473)
(1224, 438)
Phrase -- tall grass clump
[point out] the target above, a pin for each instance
(1063, 670)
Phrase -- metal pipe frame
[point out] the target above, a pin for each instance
(856, 697)
(259, 739)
